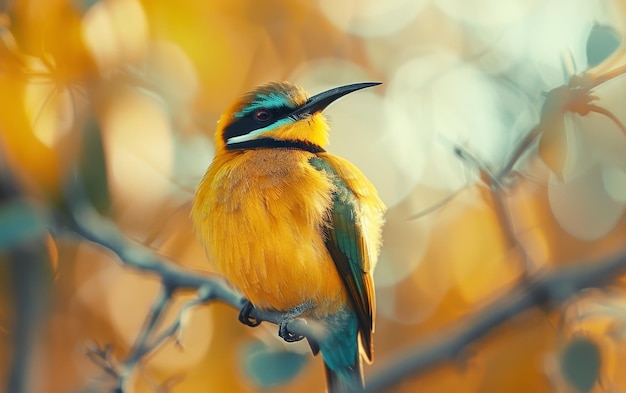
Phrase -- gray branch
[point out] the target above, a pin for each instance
(548, 289)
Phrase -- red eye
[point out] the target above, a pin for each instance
(262, 115)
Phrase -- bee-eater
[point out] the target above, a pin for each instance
(293, 227)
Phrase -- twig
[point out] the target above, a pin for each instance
(158, 309)
(551, 288)
(503, 213)
(139, 347)
(494, 184)
(103, 358)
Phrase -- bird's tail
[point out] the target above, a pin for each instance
(350, 381)
(340, 351)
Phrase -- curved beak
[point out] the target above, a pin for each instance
(320, 101)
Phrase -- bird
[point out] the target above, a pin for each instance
(291, 226)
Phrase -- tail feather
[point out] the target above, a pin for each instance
(340, 351)
(351, 381)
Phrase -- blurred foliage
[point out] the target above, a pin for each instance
(580, 363)
(91, 168)
(268, 367)
(124, 94)
(25, 278)
(19, 224)
(602, 42)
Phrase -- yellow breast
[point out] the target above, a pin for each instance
(260, 215)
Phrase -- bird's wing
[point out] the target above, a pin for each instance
(347, 246)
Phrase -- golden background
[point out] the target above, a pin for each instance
(151, 79)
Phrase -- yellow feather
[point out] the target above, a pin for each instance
(314, 130)
(280, 259)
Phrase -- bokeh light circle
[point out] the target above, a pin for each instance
(436, 103)
(115, 31)
(484, 13)
(371, 18)
(582, 205)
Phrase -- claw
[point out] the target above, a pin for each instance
(245, 317)
(283, 330)
(285, 334)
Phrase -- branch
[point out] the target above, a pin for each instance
(90, 225)
(499, 200)
(505, 219)
(548, 289)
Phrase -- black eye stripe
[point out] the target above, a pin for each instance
(248, 123)
(269, 143)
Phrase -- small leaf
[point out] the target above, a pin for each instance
(580, 363)
(602, 42)
(19, 222)
(270, 367)
(92, 168)
(553, 144)
(85, 5)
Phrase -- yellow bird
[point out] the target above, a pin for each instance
(293, 227)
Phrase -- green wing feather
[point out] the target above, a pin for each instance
(346, 245)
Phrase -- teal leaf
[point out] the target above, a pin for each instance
(580, 363)
(85, 5)
(269, 367)
(19, 223)
(93, 169)
(602, 42)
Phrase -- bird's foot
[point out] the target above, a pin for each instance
(283, 326)
(245, 317)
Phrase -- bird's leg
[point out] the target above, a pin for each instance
(289, 316)
(245, 317)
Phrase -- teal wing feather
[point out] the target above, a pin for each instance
(346, 245)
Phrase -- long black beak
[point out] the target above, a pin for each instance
(320, 101)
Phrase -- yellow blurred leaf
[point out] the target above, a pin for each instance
(553, 144)
(51, 30)
(515, 354)
(35, 161)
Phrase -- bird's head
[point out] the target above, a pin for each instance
(279, 114)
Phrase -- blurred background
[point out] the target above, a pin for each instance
(123, 96)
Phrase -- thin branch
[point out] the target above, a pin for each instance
(619, 71)
(500, 205)
(437, 205)
(103, 358)
(605, 112)
(549, 289)
(204, 296)
(521, 148)
(503, 213)
(156, 312)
